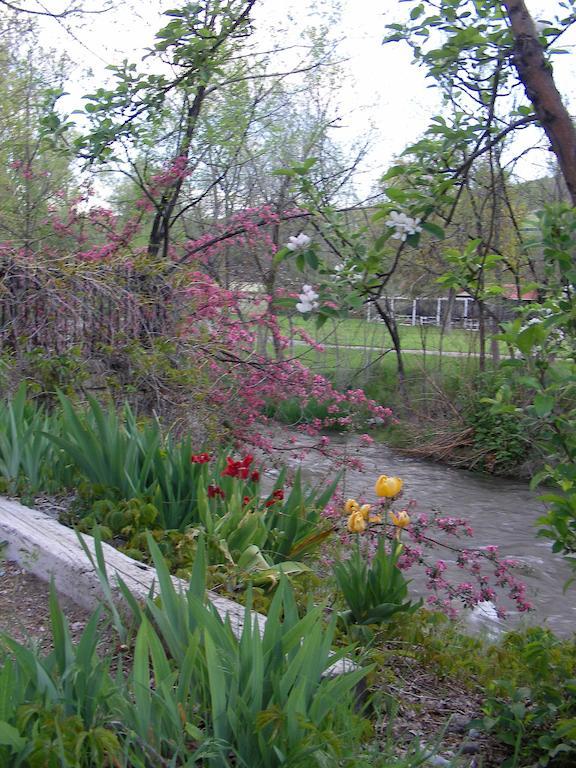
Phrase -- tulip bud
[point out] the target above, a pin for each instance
(356, 523)
(351, 506)
(388, 487)
(365, 510)
(402, 519)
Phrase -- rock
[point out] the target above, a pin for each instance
(458, 724)
(469, 748)
(438, 761)
(77, 625)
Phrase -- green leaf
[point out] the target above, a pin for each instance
(543, 405)
(197, 584)
(434, 229)
(280, 255)
(217, 686)
(10, 737)
(312, 259)
(416, 12)
(530, 337)
(396, 170)
(307, 165)
(397, 195)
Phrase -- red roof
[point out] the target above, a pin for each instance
(511, 292)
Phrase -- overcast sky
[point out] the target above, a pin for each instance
(382, 88)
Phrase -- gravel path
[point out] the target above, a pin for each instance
(25, 610)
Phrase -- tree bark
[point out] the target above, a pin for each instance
(160, 232)
(535, 72)
(389, 320)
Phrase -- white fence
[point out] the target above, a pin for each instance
(427, 311)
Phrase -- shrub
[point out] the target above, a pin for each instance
(501, 441)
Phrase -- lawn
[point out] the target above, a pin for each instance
(361, 333)
(351, 366)
(429, 378)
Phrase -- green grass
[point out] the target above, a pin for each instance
(357, 332)
(431, 382)
(352, 367)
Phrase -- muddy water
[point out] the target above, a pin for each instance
(501, 511)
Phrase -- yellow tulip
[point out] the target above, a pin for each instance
(365, 510)
(388, 486)
(351, 506)
(356, 523)
(402, 519)
(375, 519)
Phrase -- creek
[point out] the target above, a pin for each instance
(501, 511)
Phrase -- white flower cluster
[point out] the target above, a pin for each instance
(347, 274)
(403, 224)
(307, 299)
(296, 242)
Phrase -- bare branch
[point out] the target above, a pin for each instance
(71, 10)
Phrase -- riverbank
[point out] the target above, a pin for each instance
(423, 709)
(439, 402)
(267, 538)
(428, 715)
(501, 511)
(456, 445)
(428, 689)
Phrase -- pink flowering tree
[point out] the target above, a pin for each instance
(236, 338)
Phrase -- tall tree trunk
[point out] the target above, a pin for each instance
(271, 274)
(390, 321)
(160, 233)
(481, 335)
(536, 75)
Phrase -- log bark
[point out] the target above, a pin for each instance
(536, 74)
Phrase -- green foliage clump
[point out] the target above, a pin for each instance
(532, 708)
(194, 692)
(121, 522)
(30, 462)
(47, 374)
(130, 479)
(375, 591)
(501, 441)
(142, 375)
(544, 341)
(527, 680)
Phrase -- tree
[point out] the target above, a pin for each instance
(489, 53)
(35, 178)
(178, 118)
(483, 55)
(535, 72)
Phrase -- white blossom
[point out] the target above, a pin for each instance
(307, 301)
(296, 242)
(403, 225)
